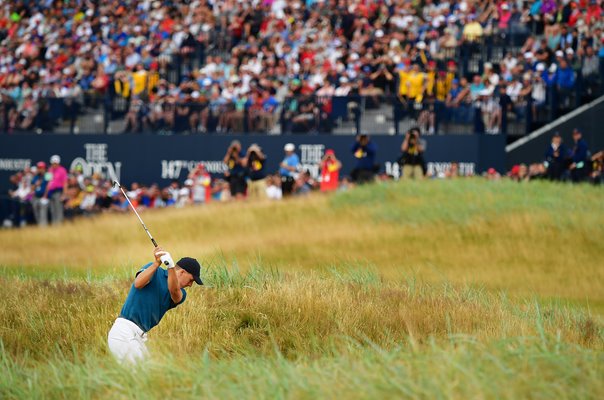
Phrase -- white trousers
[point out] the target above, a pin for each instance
(127, 341)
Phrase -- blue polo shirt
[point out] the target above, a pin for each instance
(147, 306)
(291, 161)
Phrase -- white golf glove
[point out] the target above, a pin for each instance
(166, 259)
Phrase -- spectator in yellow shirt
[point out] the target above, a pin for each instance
(430, 78)
(122, 84)
(415, 84)
(403, 76)
(139, 79)
(472, 31)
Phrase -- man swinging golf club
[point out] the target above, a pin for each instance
(154, 291)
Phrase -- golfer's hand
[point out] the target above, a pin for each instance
(157, 253)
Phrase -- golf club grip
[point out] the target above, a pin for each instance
(154, 242)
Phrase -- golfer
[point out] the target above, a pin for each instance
(155, 291)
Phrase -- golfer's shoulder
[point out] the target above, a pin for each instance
(146, 266)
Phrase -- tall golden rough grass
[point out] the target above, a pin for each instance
(267, 334)
(539, 239)
(294, 314)
(458, 290)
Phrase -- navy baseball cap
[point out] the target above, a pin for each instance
(191, 266)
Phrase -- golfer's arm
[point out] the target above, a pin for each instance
(144, 277)
(175, 292)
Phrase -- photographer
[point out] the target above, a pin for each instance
(255, 161)
(236, 171)
(364, 151)
(330, 171)
(412, 159)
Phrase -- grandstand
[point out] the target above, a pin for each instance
(278, 67)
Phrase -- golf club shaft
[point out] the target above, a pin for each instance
(134, 209)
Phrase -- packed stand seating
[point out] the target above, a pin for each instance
(296, 66)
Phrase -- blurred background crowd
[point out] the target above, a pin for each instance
(295, 65)
(48, 193)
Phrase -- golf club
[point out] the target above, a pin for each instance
(164, 258)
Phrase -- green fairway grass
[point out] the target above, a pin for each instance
(436, 289)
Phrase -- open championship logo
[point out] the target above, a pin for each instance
(96, 162)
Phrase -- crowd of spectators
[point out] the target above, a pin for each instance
(233, 66)
(44, 194)
(39, 191)
(565, 163)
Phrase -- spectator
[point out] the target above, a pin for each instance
(266, 116)
(364, 150)
(519, 173)
(601, 63)
(453, 171)
(55, 189)
(538, 90)
(458, 101)
(200, 187)
(103, 198)
(221, 191)
(489, 109)
(289, 168)
(346, 184)
(565, 82)
(185, 194)
(19, 198)
(412, 159)
(236, 172)
(537, 171)
(88, 201)
(579, 167)
(273, 188)
(164, 199)
(330, 171)
(304, 184)
(39, 202)
(589, 71)
(556, 158)
(493, 175)
(597, 167)
(255, 161)
(472, 30)
(174, 190)
(73, 197)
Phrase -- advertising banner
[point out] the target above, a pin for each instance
(159, 159)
